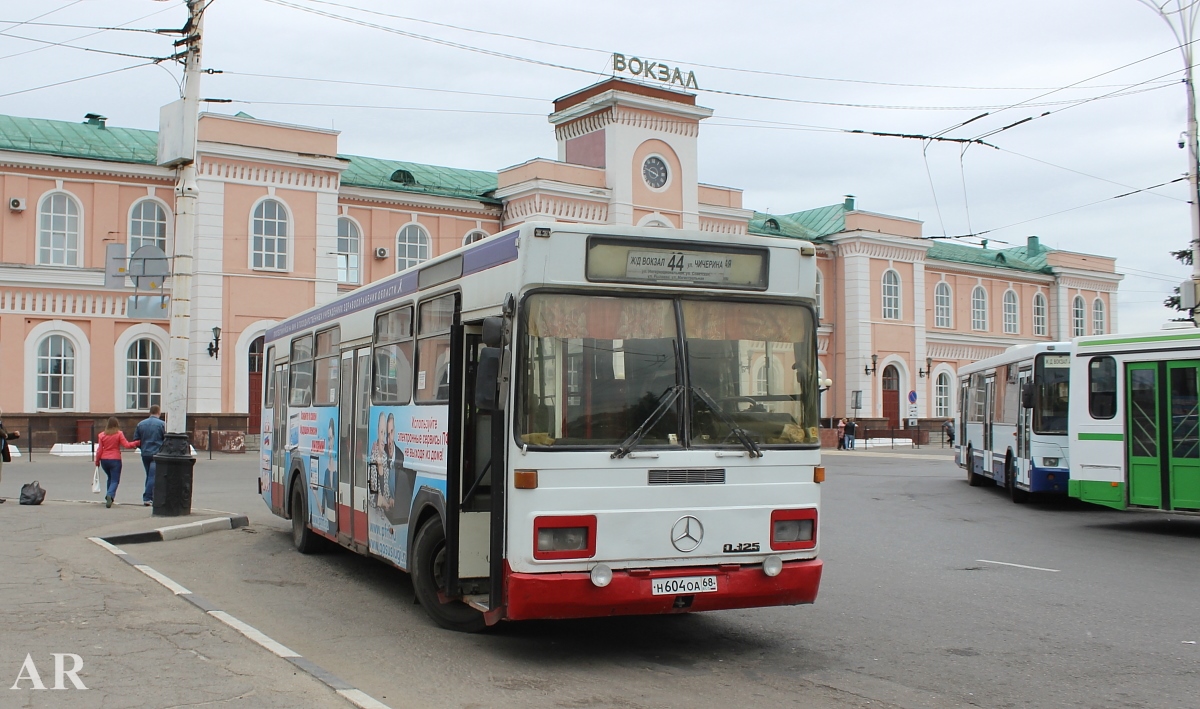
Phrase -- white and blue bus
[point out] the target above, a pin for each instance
(561, 421)
(1012, 419)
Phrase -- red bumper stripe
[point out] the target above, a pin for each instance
(572, 595)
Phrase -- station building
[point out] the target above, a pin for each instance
(287, 222)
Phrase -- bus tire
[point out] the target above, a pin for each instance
(428, 574)
(303, 538)
(1015, 493)
(972, 479)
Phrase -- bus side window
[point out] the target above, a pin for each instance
(434, 319)
(328, 358)
(1102, 387)
(392, 355)
(302, 371)
(269, 378)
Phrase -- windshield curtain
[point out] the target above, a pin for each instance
(758, 364)
(1050, 406)
(594, 368)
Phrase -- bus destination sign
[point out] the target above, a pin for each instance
(678, 263)
(679, 266)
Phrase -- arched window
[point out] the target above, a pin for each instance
(767, 380)
(1039, 314)
(269, 229)
(473, 236)
(941, 396)
(347, 251)
(1098, 325)
(979, 305)
(1010, 312)
(942, 298)
(891, 295)
(58, 230)
(412, 246)
(143, 374)
(1078, 314)
(147, 225)
(891, 378)
(820, 296)
(56, 373)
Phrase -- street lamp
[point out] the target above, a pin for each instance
(214, 347)
(928, 368)
(870, 369)
(1180, 16)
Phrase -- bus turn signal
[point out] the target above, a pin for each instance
(525, 479)
(819, 474)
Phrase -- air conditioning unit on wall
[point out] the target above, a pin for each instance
(381, 252)
(17, 204)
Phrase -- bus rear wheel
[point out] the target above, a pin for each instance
(973, 479)
(302, 537)
(429, 581)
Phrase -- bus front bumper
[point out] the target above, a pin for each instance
(1053, 480)
(572, 595)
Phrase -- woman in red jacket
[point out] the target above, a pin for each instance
(108, 455)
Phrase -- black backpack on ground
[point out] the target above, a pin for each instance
(32, 493)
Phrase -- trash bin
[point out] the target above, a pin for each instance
(173, 477)
(83, 430)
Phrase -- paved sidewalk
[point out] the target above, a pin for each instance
(141, 647)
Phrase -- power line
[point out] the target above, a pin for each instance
(84, 36)
(381, 108)
(16, 24)
(1084, 174)
(38, 17)
(381, 86)
(85, 49)
(72, 81)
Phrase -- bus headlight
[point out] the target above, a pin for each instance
(572, 537)
(1050, 462)
(772, 565)
(563, 539)
(601, 575)
(794, 529)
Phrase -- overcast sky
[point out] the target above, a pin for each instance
(918, 66)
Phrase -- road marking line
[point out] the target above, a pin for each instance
(171, 585)
(1019, 566)
(361, 699)
(254, 634)
(114, 549)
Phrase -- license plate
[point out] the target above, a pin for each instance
(683, 585)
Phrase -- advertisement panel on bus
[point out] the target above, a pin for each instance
(312, 434)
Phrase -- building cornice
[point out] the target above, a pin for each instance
(541, 185)
(1088, 280)
(270, 156)
(855, 243)
(399, 200)
(993, 272)
(615, 98)
(638, 119)
(732, 213)
(539, 205)
(54, 163)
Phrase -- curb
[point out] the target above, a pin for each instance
(180, 531)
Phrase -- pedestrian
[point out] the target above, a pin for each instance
(5, 454)
(108, 455)
(841, 429)
(948, 429)
(151, 432)
(851, 427)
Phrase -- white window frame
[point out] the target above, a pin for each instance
(1012, 313)
(349, 261)
(1039, 314)
(820, 295)
(942, 395)
(1099, 323)
(406, 258)
(474, 235)
(979, 308)
(42, 386)
(166, 224)
(943, 305)
(1078, 317)
(135, 379)
(285, 239)
(76, 254)
(892, 309)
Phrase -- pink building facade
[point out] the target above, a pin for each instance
(286, 222)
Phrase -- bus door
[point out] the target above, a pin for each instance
(989, 415)
(352, 445)
(1163, 444)
(357, 484)
(476, 478)
(279, 441)
(1024, 426)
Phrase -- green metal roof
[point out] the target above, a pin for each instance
(810, 225)
(78, 140)
(1018, 258)
(400, 176)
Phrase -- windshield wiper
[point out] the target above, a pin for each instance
(736, 430)
(668, 397)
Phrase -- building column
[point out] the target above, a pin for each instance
(919, 347)
(205, 381)
(855, 317)
(326, 265)
(1062, 312)
(1112, 311)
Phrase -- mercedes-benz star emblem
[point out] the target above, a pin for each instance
(687, 533)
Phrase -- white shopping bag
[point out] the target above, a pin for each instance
(96, 481)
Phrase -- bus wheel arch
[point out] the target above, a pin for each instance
(303, 538)
(427, 503)
(1015, 493)
(428, 553)
(973, 478)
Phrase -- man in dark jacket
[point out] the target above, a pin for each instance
(151, 432)
(5, 454)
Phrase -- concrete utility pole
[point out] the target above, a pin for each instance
(186, 200)
(1180, 16)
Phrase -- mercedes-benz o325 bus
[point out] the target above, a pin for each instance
(561, 421)
(1012, 421)
(1135, 421)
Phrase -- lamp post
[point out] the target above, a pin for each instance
(1180, 16)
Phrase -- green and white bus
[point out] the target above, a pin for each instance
(1134, 421)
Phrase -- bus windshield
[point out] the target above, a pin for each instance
(1051, 379)
(594, 369)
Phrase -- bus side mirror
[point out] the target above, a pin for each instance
(487, 378)
(1027, 396)
(493, 332)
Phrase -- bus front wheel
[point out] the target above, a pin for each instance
(429, 581)
(302, 537)
(973, 479)
(1010, 481)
